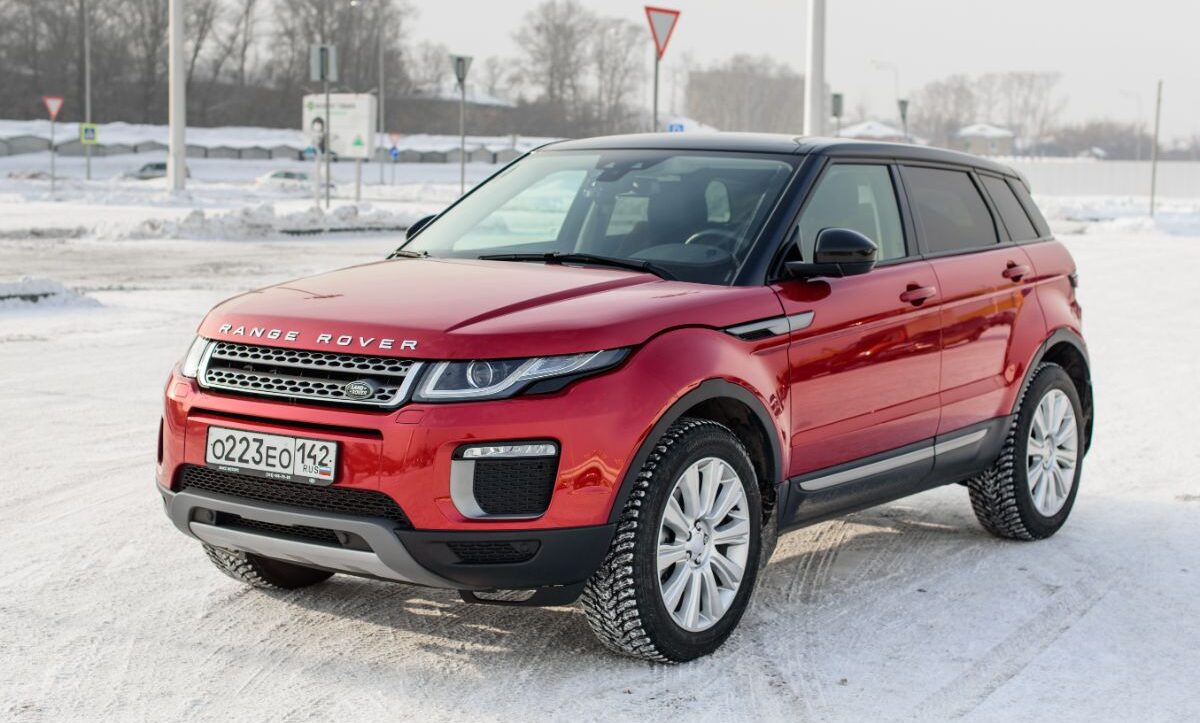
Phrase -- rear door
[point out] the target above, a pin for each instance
(864, 350)
(985, 280)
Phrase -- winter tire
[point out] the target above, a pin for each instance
(1029, 491)
(683, 563)
(263, 572)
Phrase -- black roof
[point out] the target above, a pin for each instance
(780, 143)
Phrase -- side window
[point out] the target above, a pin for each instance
(1039, 221)
(1020, 228)
(858, 197)
(951, 213)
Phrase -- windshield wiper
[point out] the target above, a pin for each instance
(402, 253)
(555, 257)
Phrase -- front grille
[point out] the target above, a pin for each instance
(494, 553)
(520, 486)
(338, 500)
(305, 375)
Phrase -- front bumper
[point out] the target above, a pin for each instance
(560, 557)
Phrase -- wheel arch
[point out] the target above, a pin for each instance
(1066, 348)
(734, 406)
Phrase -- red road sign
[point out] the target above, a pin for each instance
(54, 104)
(662, 24)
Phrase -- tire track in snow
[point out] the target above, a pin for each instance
(1008, 658)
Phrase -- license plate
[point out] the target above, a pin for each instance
(275, 456)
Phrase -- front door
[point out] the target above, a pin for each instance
(864, 371)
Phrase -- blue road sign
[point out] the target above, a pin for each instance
(395, 153)
(674, 128)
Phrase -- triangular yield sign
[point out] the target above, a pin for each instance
(662, 24)
(54, 104)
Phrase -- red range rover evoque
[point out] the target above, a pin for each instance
(617, 369)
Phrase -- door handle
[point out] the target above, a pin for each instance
(1015, 272)
(916, 295)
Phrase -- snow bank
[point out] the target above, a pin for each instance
(259, 221)
(29, 293)
(1121, 214)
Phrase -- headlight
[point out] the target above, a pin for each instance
(499, 378)
(190, 366)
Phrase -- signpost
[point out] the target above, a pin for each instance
(394, 153)
(662, 24)
(837, 100)
(902, 104)
(342, 124)
(54, 104)
(322, 68)
(462, 63)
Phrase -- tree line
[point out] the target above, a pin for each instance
(576, 72)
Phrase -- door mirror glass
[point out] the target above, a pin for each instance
(839, 252)
(415, 228)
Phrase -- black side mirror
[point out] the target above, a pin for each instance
(839, 252)
(415, 228)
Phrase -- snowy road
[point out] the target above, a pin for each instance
(906, 612)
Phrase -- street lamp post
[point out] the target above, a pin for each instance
(814, 84)
(85, 12)
(176, 98)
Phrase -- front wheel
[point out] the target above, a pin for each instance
(683, 563)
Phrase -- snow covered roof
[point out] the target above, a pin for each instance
(475, 96)
(871, 130)
(985, 130)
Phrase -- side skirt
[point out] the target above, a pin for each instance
(892, 475)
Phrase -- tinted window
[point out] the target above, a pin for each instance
(1020, 228)
(951, 213)
(858, 197)
(1039, 222)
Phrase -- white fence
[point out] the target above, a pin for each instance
(1085, 177)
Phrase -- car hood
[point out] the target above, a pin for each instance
(461, 309)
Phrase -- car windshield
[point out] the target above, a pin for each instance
(693, 216)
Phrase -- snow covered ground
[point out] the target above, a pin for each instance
(905, 612)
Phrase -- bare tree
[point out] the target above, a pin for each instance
(552, 65)
(942, 108)
(747, 93)
(617, 46)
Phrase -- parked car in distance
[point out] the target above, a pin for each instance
(154, 169)
(616, 371)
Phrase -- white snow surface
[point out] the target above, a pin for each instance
(904, 612)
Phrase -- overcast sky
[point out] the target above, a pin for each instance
(1109, 53)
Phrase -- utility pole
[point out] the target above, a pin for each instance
(814, 82)
(462, 64)
(382, 130)
(85, 11)
(1154, 149)
(177, 98)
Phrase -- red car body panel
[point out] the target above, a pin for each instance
(455, 308)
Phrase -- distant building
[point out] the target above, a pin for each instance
(873, 131)
(984, 139)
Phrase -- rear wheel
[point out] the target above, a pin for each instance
(685, 557)
(264, 572)
(1030, 490)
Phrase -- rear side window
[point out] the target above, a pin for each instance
(1020, 228)
(952, 214)
(1039, 221)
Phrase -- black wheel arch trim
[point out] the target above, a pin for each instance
(1064, 335)
(705, 391)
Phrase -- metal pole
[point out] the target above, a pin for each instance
(379, 148)
(328, 139)
(358, 179)
(814, 83)
(87, 81)
(52, 155)
(177, 98)
(462, 138)
(657, 61)
(317, 174)
(1154, 149)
